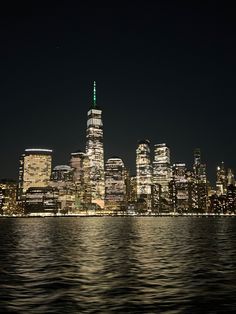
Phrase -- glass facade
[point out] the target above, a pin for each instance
(180, 189)
(200, 194)
(144, 172)
(62, 180)
(115, 188)
(161, 174)
(95, 153)
(35, 169)
(8, 201)
(80, 164)
(221, 179)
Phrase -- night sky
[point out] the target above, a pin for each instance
(165, 70)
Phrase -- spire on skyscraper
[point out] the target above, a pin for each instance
(95, 152)
(94, 95)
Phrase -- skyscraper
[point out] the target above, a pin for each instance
(144, 173)
(231, 199)
(131, 189)
(8, 202)
(35, 169)
(230, 177)
(221, 179)
(62, 180)
(95, 152)
(161, 174)
(199, 182)
(197, 158)
(180, 189)
(114, 183)
(80, 164)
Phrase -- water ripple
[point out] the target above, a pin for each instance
(118, 265)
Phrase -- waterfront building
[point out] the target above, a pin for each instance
(160, 204)
(41, 201)
(80, 164)
(224, 203)
(215, 206)
(35, 169)
(8, 201)
(200, 188)
(181, 188)
(131, 189)
(231, 199)
(95, 152)
(221, 179)
(62, 180)
(144, 174)
(162, 175)
(115, 189)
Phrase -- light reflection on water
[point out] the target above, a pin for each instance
(118, 264)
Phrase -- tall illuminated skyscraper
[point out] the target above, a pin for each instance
(221, 179)
(199, 182)
(115, 183)
(144, 172)
(95, 152)
(8, 203)
(180, 189)
(230, 177)
(196, 159)
(35, 169)
(80, 164)
(161, 171)
(62, 181)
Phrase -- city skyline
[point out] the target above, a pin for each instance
(165, 72)
(90, 184)
(117, 163)
(131, 167)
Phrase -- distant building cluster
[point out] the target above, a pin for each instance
(89, 185)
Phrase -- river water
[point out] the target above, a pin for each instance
(118, 265)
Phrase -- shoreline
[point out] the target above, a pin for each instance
(99, 215)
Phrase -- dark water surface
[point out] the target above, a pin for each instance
(118, 265)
